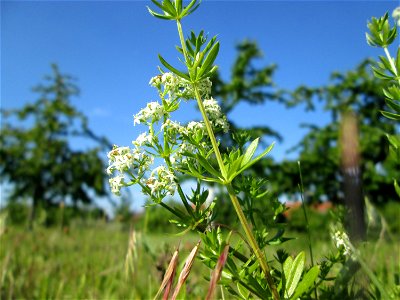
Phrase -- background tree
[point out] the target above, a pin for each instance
(36, 155)
(354, 91)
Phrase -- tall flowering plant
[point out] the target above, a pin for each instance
(167, 149)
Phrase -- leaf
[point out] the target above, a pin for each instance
(393, 105)
(154, 14)
(390, 115)
(381, 75)
(172, 69)
(169, 8)
(209, 60)
(397, 188)
(394, 142)
(188, 10)
(158, 4)
(287, 265)
(206, 165)
(249, 164)
(398, 60)
(307, 282)
(250, 151)
(295, 272)
(178, 6)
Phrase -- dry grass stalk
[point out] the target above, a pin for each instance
(186, 270)
(217, 272)
(169, 276)
(131, 254)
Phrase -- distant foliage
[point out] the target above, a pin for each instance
(36, 155)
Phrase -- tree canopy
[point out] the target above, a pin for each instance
(37, 157)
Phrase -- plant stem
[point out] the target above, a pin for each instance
(182, 39)
(252, 241)
(210, 132)
(390, 59)
(301, 187)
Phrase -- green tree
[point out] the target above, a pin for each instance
(36, 155)
(248, 84)
(354, 91)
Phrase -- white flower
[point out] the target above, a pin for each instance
(120, 158)
(155, 81)
(396, 15)
(217, 119)
(161, 182)
(342, 241)
(116, 183)
(153, 112)
(205, 87)
(142, 139)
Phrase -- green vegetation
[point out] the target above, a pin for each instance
(242, 238)
(36, 152)
(88, 260)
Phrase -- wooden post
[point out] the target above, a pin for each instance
(352, 179)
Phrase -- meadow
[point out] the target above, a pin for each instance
(99, 260)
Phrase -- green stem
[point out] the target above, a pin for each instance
(210, 132)
(301, 187)
(390, 59)
(252, 241)
(182, 39)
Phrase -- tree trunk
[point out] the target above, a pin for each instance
(37, 194)
(353, 194)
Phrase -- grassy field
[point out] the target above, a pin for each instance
(97, 261)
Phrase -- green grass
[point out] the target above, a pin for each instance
(88, 262)
(85, 263)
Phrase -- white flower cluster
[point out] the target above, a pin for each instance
(143, 139)
(153, 112)
(161, 182)
(396, 15)
(178, 87)
(116, 183)
(217, 119)
(123, 159)
(120, 159)
(342, 241)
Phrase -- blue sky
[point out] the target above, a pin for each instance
(111, 47)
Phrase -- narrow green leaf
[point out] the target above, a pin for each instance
(169, 8)
(206, 165)
(287, 266)
(158, 4)
(178, 6)
(154, 14)
(188, 9)
(209, 60)
(179, 49)
(386, 64)
(398, 60)
(390, 115)
(380, 74)
(295, 274)
(307, 282)
(172, 69)
(394, 141)
(248, 155)
(393, 105)
(232, 169)
(397, 188)
(252, 162)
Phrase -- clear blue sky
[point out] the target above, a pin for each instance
(112, 47)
